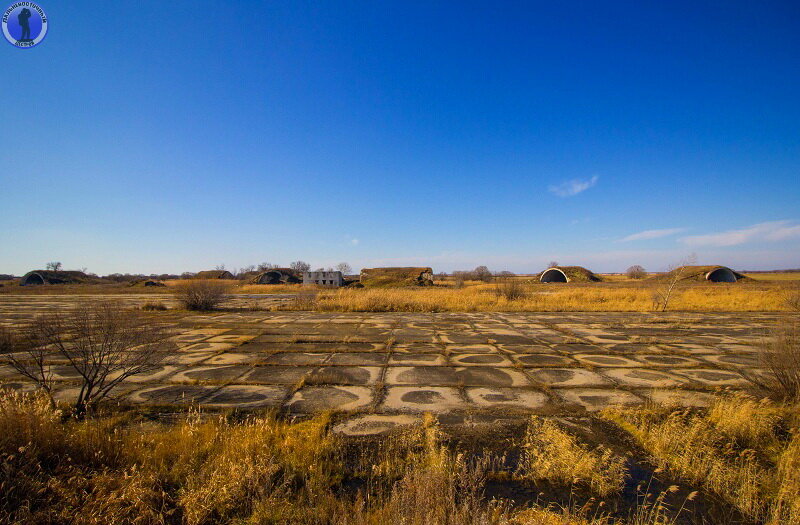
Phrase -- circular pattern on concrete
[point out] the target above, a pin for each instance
(423, 399)
(374, 424)
(311, 399)
(506, 397)
(594, 399)
(568, 377)
(643, 377)
(606, 360)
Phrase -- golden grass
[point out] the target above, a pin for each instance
(775, 276)
(739, 449)
(552, 454)
(554, 298)
(123, 469)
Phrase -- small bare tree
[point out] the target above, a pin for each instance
(264, 266)
(552, 264)
(54, 266)
(27, 354)
(102, 342)
(201, 294)
(345, 268)
(664, 291)
(300, 266)
(482, 273)
(636, 272)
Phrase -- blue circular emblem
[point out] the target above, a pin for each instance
(24, 24)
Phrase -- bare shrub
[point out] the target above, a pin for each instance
(510, 289)
(636, 272)
(300, 266)
(201, 294)
(305, 300)
(103, 343)
(459, 278)
(153, 306)
(663, 292)
(482, 273)
(780, 357)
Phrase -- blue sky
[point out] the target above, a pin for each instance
(166, 137)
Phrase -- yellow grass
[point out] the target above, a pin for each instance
(123, 469)
(551, 453)
(736, 450)
(554, 298)
(775, 276)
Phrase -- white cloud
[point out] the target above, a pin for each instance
(765, 231)
(354, 242)
(572, 187)
(652, 234)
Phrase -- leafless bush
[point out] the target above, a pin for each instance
(305, 300)
(153, 306)
(202, 295)
(103, 343)
(780, 357)
(482, 273)
(459, 278)
(663, 292)
(300, 266)
(510, 289)
(636, 272)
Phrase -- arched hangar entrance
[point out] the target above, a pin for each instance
(553, 275)
(721, 275)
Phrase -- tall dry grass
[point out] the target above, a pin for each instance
(549, 298)
(552, 454)
(739, 449)
(204, 470)
(780, 358)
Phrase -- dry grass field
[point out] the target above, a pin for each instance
(484, 414)
(735, 462)
(766, 292)
(535, 297)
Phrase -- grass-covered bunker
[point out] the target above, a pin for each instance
(214, 274)
(712, 273)
(398, 276)
(568, 274)
(277, 276)
(53, 277)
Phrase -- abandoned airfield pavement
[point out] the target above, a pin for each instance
(386, 369)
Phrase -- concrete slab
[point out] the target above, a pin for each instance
(423, 399)
(506, 398)
(311, 399)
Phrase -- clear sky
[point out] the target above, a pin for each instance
(155, 137)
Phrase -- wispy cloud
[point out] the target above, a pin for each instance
(765, 231)
(573, 187)
(652, 234)
(354, 242)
